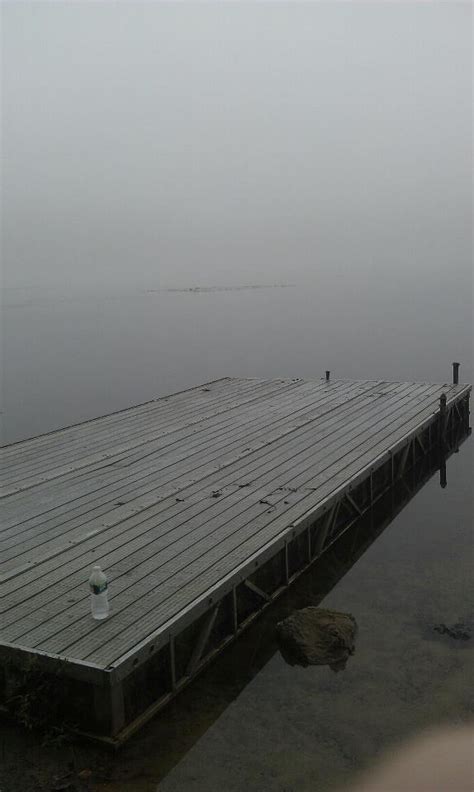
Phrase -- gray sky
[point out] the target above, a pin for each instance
(163, 145)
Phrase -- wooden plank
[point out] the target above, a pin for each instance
(207, 579)
(108, 542)
(138, 426)
(203, 539)
(292, 384)
(107, 452)
(190, 552)
(165, 462)
(225, 423)
(126, 545)
(12, 450)
(11, 537)
(254, 522)
(86, 672)
(226, 583)
(184, 506)
(324, 430)
(108, 473)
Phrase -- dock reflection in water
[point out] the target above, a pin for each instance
(234, 673)
(250, 721)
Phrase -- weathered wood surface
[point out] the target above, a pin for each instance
(171, 496)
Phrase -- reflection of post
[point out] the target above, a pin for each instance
(443, 482)
(442, 440)
(443, 414)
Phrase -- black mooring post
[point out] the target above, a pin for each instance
(328, 374)
(455, 373)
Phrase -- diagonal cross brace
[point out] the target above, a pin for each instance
(403, 460)
(353, 503)
(202, 641)
(327, 527)
(257, 590)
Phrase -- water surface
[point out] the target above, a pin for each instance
(252, 721)
(69, 355)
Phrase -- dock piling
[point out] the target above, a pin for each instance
(456, 373)
(328, 374)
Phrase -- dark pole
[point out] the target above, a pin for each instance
(328, 374)
(455, 373)
(442, 440)
(443, 481)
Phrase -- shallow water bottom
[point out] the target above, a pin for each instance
(252, 722)
(295, 728)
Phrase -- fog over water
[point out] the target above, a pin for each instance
(152, 146)
(159, 162)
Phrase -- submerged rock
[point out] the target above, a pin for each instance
(458, 632)
(314, 636)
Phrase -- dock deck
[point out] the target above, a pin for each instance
(187, 501)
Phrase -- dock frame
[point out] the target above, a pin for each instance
(127, 695)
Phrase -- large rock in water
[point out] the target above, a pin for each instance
(314, 636)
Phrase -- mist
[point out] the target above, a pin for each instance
(263, 211)
(168, 145)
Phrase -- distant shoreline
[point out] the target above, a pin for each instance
(205, 289)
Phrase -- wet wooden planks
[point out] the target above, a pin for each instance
(172, 496)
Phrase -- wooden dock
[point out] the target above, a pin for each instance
(201, 507)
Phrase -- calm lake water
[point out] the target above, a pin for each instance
(69, 356)
(252, 722)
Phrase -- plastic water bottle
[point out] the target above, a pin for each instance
(99, 599)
